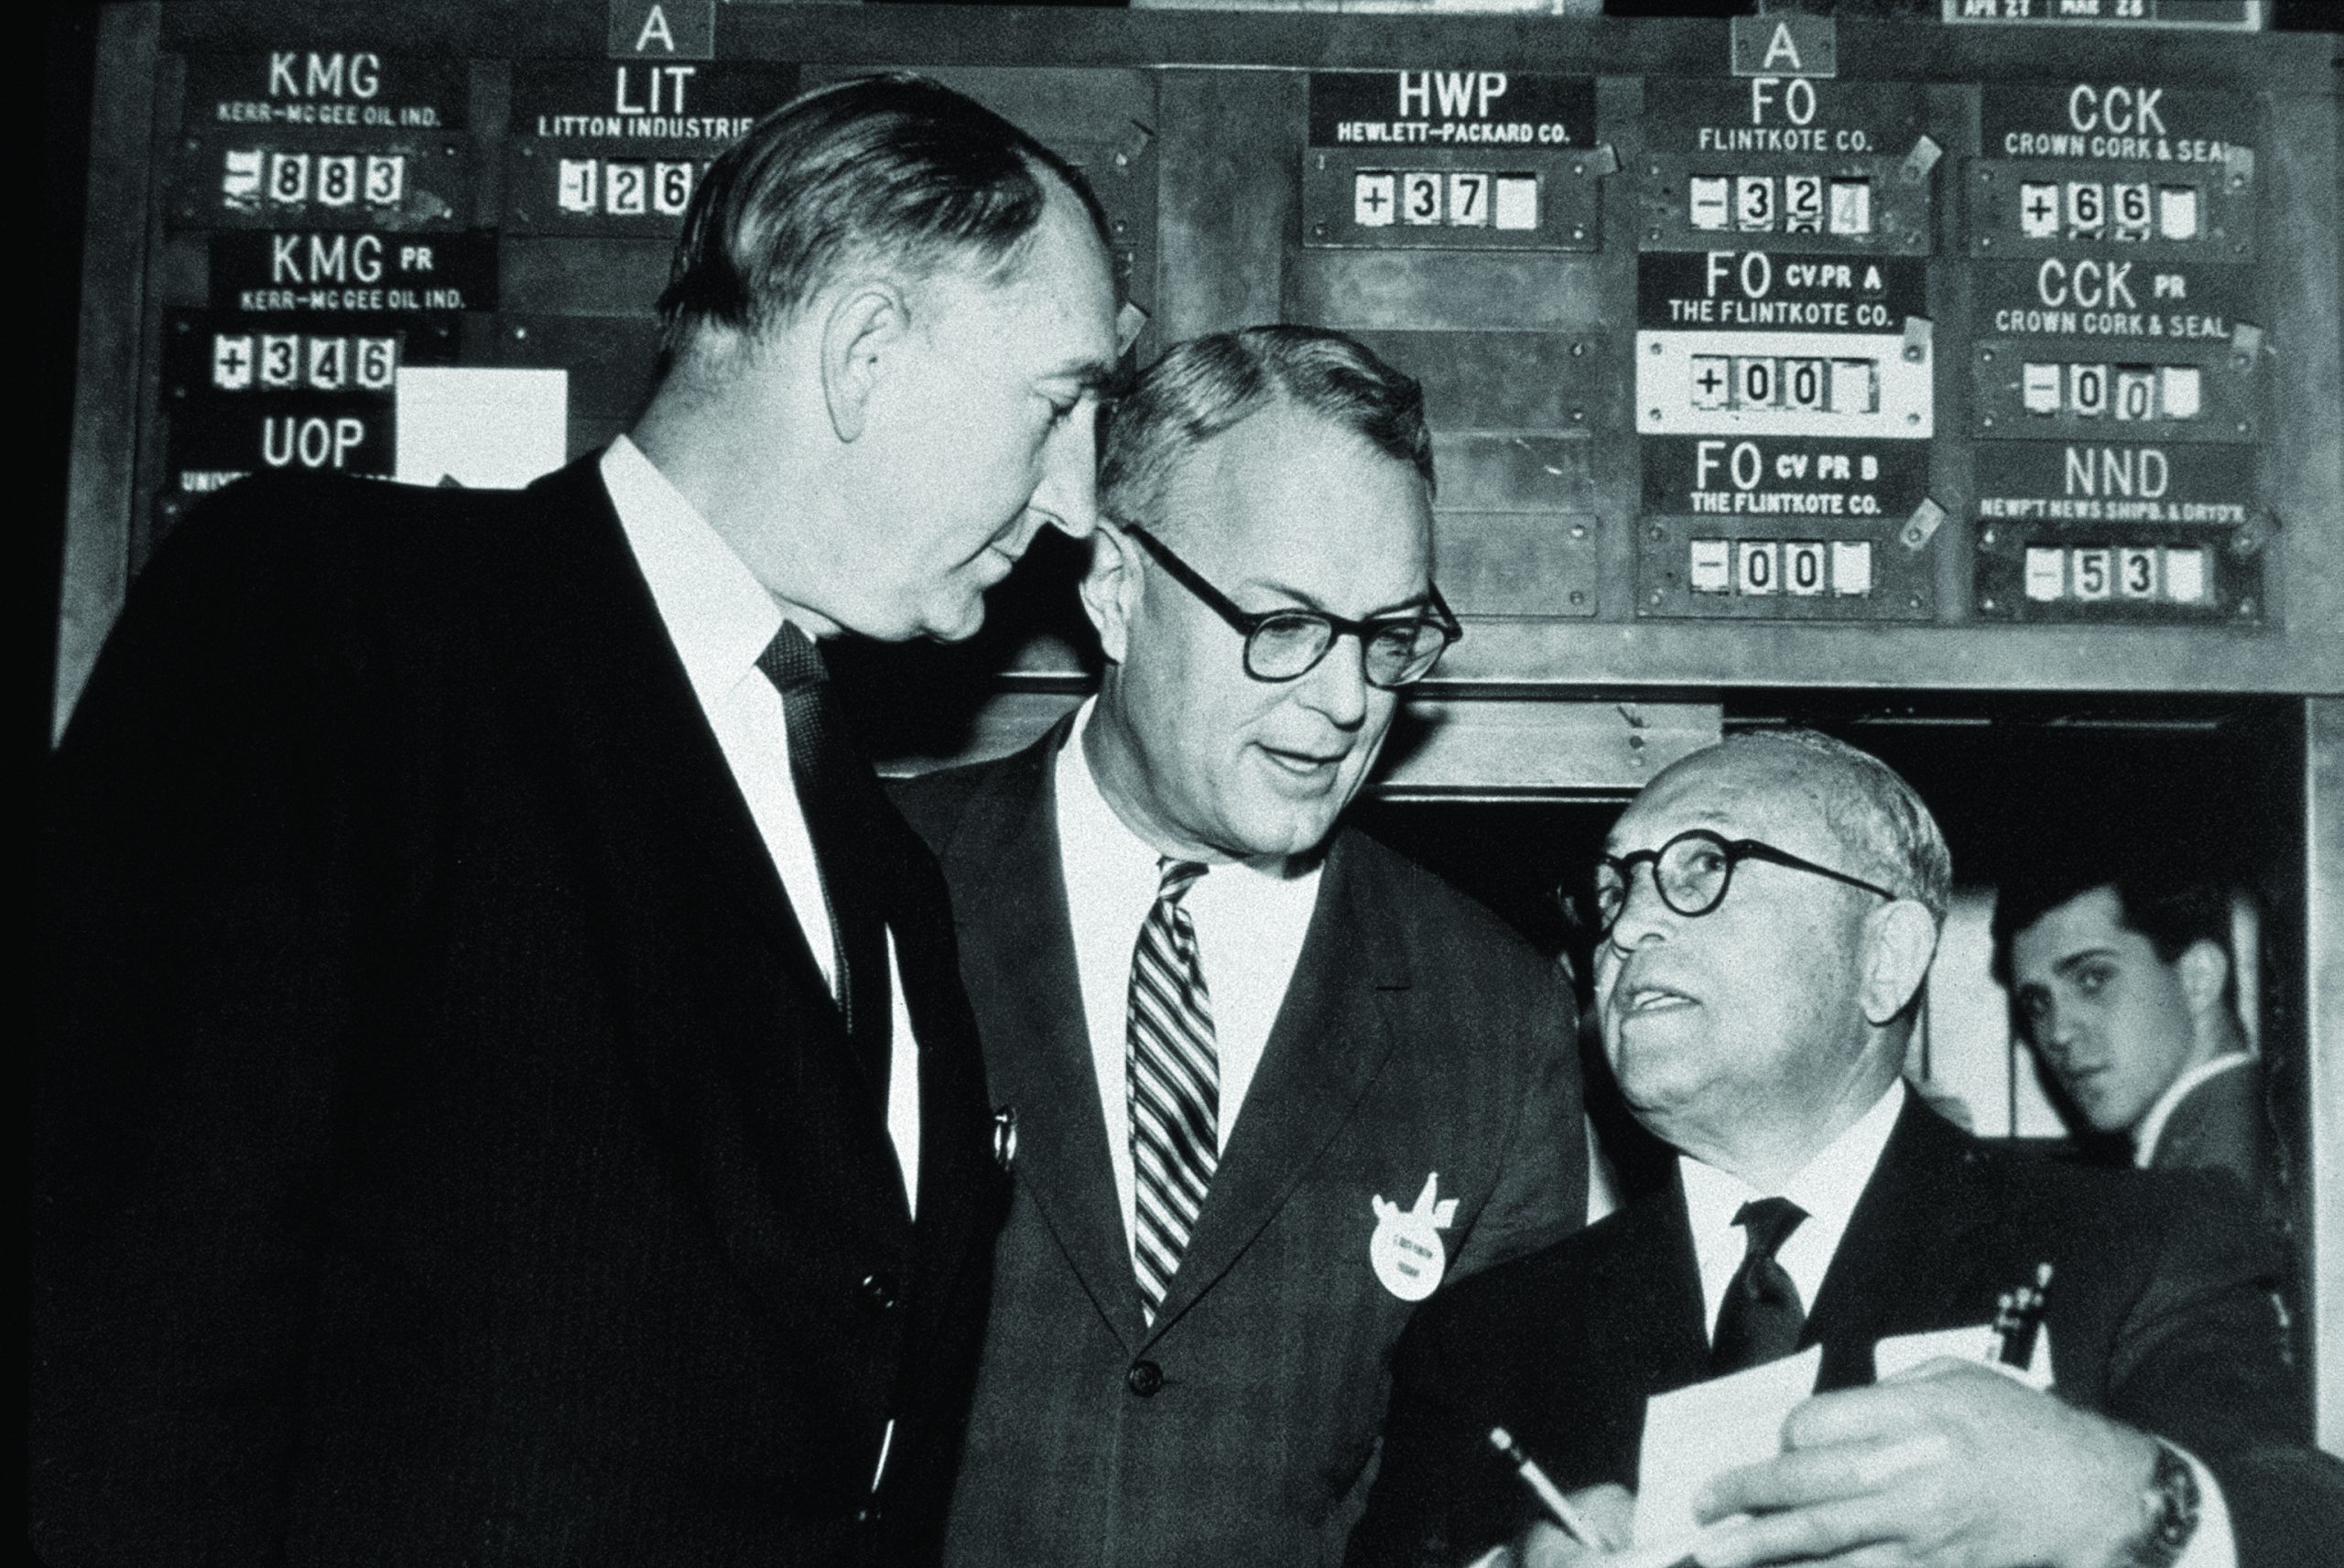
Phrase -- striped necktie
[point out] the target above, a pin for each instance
(1172, 1086)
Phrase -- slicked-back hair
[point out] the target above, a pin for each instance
(894, 170)
(2173, 906)
(1205, 387)
(1878, 818)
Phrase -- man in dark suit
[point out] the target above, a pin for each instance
(2121, 978)
(1272, 1084)
(509, 1096)
(1770, 908)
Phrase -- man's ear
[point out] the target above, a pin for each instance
(863, 327)
(1110, 589)
(1900, 938)
(2203, 969)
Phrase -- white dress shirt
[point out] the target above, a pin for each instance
(1828, 1188)
(2151, 1127)
(1250, 923)
(719, 618)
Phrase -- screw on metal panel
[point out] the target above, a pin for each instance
(1655, 415)
(1912, 418)
(1579, 169)
(1985, 242)
(1578, 415)
(1913, 601)
(1578, 233)
(1656, 348)
(1319, 229)
(1579, 530)
(1652, 234)
(1655, 596)
(1577, 598)
(1986, 603)
(1986, 421)
(1578, 349)
(520, 334)
(1987, 355)
(1986, 539)
(1659, 531)
(2246, 607)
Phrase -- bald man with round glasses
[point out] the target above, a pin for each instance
(1272, 1086)
(1768, 911)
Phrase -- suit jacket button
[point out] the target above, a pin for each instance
(1144, 1379)
(877, 1294)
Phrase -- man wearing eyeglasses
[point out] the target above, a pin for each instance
(1768, 910)
(1268, 1084)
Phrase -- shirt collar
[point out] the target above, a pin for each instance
(1827, 1186)
(2151, 1127)
(1084, 817)
(717, 613)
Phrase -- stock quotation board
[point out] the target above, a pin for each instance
(1776, 350)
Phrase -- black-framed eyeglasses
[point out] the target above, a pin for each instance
(1693, 871)
(1286, 644)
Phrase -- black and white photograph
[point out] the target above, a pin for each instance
(1187, 783)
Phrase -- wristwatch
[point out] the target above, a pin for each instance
(2168, 1513)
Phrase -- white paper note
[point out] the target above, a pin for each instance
(1903, 1352)
(1691, 1434)
(482, 429)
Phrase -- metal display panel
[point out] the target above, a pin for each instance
(1457, 159)
(2221, 262)
(1833, 166)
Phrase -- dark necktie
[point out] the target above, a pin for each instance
(1172, 1084)
(837, 791)
(1762, 1316)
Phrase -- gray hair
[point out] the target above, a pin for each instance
(1871, 810)
(894, 169)
(1206, 386)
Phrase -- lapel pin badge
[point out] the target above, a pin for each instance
(1005, 1136)
(1406, 1251)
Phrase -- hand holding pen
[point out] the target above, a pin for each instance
(1586, 1526)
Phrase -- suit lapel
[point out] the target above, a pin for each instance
(1334, 1030)
(1632, 1327)
(658, 815)
(621, 688)
(1897, 1267)
(1010, 883)
(1653, 1280)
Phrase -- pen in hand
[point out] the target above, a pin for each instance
(1559, 1506)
